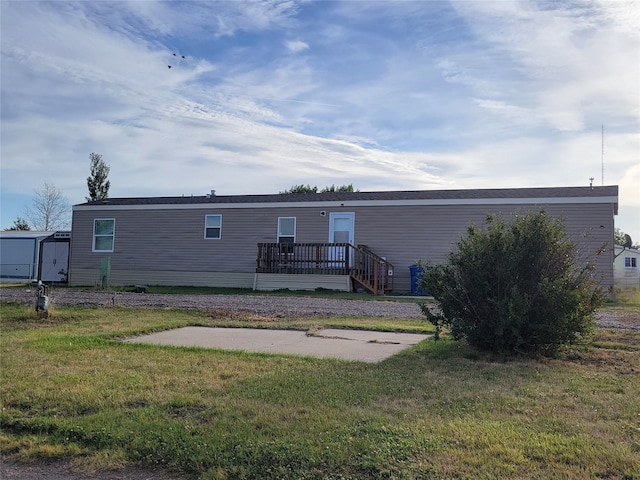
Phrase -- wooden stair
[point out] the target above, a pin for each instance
(371, 270)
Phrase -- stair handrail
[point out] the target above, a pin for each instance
(371, 270)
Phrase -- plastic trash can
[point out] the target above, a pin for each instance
(416, 276)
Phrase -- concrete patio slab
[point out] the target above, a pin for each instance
(358, 345)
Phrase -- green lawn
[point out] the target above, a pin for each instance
(70, 388)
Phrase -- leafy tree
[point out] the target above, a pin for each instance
(342, 188)
(97, 182)
(619, 238)
(19, 224)
(49, 211)
(309, 189)
(514, 288)
(302, 189)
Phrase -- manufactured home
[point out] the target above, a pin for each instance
(332, 240)
(626, 267)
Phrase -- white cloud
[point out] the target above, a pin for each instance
(296, 46)
(573, 62)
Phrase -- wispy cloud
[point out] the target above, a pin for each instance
(296, 46)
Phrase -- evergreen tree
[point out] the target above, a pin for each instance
(20, 224)
(97, 182)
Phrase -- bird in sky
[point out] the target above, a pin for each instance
(176, 55)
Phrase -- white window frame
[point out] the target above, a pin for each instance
(95, 235)
(219, 215)
(630, 262)
(279, 232)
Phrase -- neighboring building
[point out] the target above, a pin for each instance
(306, 241)
(626, 267)
(27, 255)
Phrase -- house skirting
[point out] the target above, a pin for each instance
(255, 281)
(627, 282)
(279, 281)
(120, 278)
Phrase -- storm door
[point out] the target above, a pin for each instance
(341, 230)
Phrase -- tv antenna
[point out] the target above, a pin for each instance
(602, 156)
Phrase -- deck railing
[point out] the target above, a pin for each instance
(367, 268)
(372, 271)
(319, 258)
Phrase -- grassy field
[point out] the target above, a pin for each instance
(71, 389)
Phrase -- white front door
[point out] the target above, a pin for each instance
(341, 230)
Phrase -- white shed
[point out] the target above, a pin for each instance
(626, 271)
(20, 254)
(27, 255)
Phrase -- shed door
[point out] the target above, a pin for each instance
(55, 257)
(341, 230)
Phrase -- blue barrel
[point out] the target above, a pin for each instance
(416, 276)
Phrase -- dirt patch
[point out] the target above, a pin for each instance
(64, 470)
(618, 319)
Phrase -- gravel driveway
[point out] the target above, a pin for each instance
(267, 305)
(258, 304)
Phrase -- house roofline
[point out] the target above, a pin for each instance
(627, 249)
(355, 203)
(521, 196)
(25, 233)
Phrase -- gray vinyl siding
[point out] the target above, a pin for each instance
(160, 246)
(404, 235)
(174, 240)
(91, 276)
(154, 242)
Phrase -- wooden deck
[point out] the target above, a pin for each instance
(361, 264)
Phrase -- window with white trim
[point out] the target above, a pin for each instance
(104, 232)
(630, 262)
(212, 227)
(286, 229)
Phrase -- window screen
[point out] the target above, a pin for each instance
(104, 230)
(286, 229)
(213, 226)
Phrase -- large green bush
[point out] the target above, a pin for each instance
(514, 287)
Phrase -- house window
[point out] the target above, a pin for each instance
(286, 229)
(212, 226)
(630, 262)
(104, 230)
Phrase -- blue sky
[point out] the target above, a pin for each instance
(383, 95)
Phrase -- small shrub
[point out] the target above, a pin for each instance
(514, 288)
